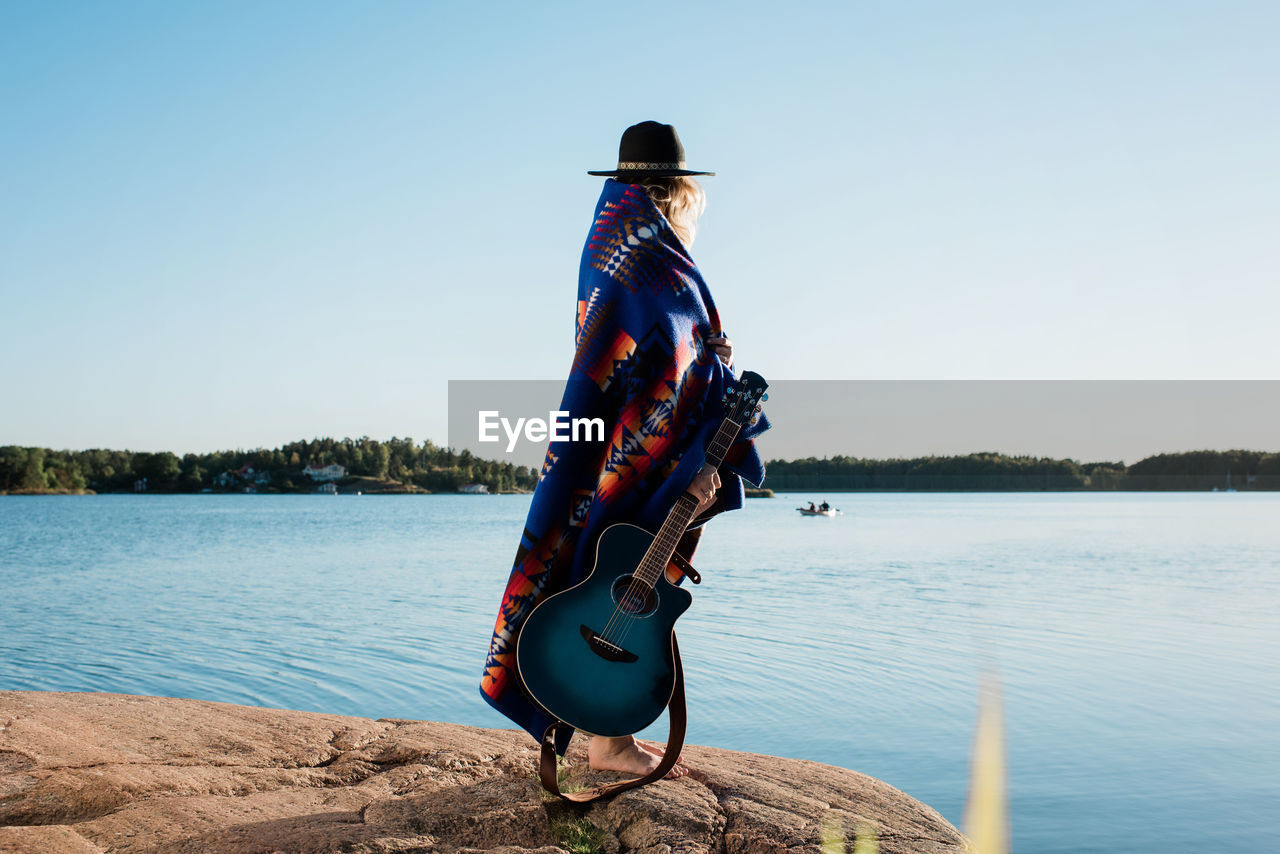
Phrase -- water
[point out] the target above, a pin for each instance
(1135, 634)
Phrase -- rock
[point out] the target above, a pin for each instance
(97, 772)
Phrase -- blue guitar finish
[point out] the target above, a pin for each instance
(619, 683)
(599, 655)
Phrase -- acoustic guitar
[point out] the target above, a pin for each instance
(599, 656)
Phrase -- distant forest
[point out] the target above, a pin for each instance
(991, 472)
(399, 465)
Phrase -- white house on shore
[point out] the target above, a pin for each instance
(333, 471)
(474, 489)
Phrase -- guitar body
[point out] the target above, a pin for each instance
(598, 656)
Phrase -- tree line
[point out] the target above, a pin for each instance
(420, 466)
(428, 467)
(993, 472)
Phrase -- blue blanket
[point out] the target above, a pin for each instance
(641, 366)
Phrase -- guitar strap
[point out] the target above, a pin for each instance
(675, 743)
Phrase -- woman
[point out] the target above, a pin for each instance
(652, 362)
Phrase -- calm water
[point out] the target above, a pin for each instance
(1136, 634)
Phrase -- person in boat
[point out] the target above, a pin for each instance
(812, 509)
(824, 507)
(652, 361)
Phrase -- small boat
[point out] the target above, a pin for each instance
(831, 511)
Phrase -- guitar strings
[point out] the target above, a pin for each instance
(719, 444)
(667, 539)
(635, 594)
(632, 601)
(620, 622)
(622, 612)
(614, 631)
(682, 513)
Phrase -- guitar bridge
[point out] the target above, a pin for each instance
(607, 650)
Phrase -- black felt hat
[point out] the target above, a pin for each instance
(650, 150)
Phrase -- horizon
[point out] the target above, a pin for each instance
(824, 457)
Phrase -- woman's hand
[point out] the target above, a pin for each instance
(722, 347)
(704, 487)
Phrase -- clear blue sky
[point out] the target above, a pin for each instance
(235, 224)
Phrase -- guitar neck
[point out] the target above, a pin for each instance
(668, 537)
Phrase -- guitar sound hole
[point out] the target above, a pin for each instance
(634, 597)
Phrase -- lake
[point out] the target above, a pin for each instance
(1135, 634)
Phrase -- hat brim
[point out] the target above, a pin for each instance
(653, 173)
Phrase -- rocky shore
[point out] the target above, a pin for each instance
(96, 772)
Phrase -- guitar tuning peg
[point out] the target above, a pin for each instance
(764, 396)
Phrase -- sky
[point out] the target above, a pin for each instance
(233, 225)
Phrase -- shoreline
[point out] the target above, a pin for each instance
(88, 771)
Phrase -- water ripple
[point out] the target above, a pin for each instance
(1135, 634)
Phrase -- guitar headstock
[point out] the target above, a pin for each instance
(743, 398)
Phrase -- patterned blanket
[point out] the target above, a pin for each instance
(641, 367)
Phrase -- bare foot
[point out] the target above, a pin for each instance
(650, 747)
(626, 754)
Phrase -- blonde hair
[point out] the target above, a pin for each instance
(681, 200)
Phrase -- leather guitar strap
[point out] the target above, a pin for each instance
(675, 743)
